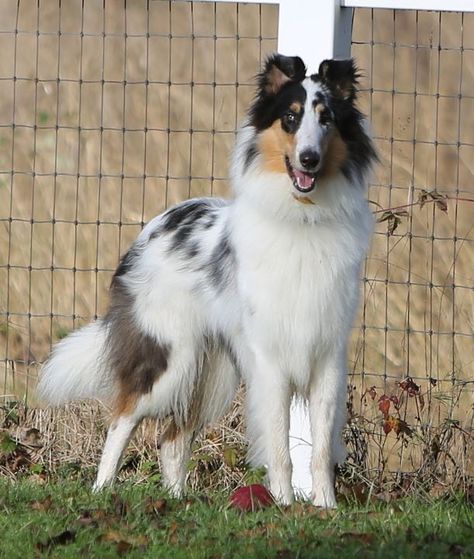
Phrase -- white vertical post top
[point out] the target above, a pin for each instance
(314, 30)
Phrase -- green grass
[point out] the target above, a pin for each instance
(65, 520)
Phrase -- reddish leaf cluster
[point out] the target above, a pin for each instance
(413, 390)
(385, 402)
(389, 406)
(395, 424)
(393, 219)
(440, 200)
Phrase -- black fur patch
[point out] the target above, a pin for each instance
(183, 221)
(221, 265)
(279, 85)
(250, 155)
(339, 79)
(126, 262)
(268, 108)
(185, 214)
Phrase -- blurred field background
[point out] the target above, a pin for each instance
(111, 112)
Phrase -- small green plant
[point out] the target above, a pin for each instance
(61, 332)
(43, 117)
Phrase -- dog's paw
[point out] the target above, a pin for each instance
(324, 497)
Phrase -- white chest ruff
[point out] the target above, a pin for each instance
(299, 285)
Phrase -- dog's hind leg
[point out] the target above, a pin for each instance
(118, 436)
(175, 451)
(213, 392)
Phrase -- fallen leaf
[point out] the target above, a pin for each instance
(120, 506)
(86, 519)
(68, 536)
(390, 496)
(32, 437)
(123, 547)
(357, 492)
(173, 533)
(438, 490)
(251, 497)
(111, 536)
(156, 506)
(363, 537)
(456, 550)
(42, 505)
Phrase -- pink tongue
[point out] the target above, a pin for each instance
(304, 181)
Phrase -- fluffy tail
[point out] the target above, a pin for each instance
(77, 368)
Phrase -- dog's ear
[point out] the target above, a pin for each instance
(341, 76)
(278, 71)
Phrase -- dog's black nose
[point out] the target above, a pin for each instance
(309, 158)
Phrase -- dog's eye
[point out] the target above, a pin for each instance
(290, 118)
(325, 117)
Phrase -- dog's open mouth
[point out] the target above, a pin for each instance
(304, 182)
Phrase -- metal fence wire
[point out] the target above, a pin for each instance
(109, 113)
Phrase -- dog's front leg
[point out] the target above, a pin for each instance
(268, 416)
(327, 408)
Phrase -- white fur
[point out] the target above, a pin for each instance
(75, 370)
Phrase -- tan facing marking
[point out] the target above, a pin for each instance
(335, 157)
(319, 108)
(296, 107)
(125, 404)
(274, 145)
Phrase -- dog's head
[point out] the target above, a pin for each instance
(308, 127)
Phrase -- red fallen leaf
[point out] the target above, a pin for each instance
(251, 497)
(384, 404)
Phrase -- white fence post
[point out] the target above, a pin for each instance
(314, 31)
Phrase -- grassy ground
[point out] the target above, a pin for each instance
(63, 519)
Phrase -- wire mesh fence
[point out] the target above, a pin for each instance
(413, 357)
(110, 113)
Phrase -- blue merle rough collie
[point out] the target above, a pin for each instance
(262, 287)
